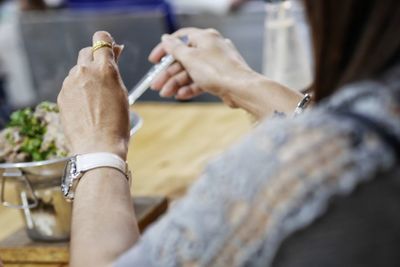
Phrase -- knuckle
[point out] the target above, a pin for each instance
(68, 81)
(84, 51)
(172, 84)
(108, 68)
(228, 41)
(186, 53)
(177, 51)
(64, 84)
(185, 77)
(212, 32)
(184, 31)
(170, 72)
(195, 89)
(81, 69)
(72, 71)
(59, 99)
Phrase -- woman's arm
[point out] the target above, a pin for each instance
(94, 113)
(103, 219)
(212, 64)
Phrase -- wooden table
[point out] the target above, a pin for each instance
(19, 250)
(170, 150)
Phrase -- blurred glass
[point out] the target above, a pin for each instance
(287, 57)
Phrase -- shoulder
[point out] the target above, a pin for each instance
(377, 98)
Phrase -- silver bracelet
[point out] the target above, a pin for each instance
(302, 105)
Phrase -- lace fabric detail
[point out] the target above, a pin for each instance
(276, 181)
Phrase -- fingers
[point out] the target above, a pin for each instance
(172, 86)
(85, 56)
(194, 60)
(229, 42)
(176, 47)
(163, 77)
(188, 92)
(158, 52)
(104, 53)
(176, 81)
(170, 45)
(196, 36)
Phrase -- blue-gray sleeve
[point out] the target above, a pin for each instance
(275, 181)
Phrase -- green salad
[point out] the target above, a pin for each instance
(33, 135)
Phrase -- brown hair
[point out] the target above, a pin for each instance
(353, 40)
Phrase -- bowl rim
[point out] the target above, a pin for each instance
(138, 124)
(30, 164)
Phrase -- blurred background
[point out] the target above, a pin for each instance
(40, 39)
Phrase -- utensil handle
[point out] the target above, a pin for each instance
(141, 87)
(17, 174)
(144, 84)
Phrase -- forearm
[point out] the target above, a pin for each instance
(103, 221)
(262, 97)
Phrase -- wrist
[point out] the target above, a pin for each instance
(118, 148)
(235, 85)
(261, 96)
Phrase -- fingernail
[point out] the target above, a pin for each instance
(163, 93)
(121, 47)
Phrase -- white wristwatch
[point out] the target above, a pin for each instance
(79, 164)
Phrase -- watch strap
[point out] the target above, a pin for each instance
(86, 162)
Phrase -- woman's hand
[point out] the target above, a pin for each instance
(93, 102)
(210, 63)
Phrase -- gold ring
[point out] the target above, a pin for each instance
(100, 44)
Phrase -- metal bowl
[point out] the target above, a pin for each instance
(36, 191)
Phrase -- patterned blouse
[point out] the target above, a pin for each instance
(278, 180)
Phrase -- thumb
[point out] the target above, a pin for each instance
(175, 47)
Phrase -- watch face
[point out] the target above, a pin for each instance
(69, 175)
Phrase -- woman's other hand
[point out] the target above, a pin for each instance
(209, 63)
(93, 102)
